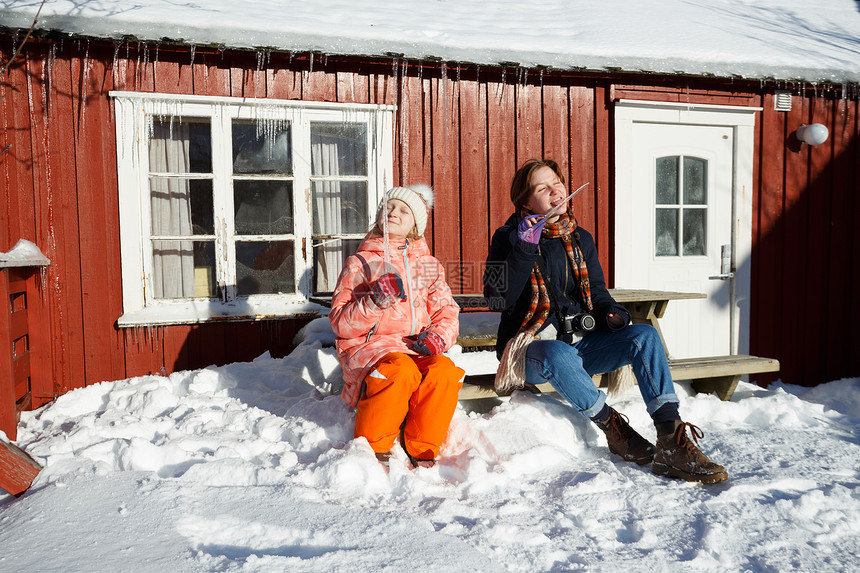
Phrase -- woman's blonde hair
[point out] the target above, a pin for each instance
(521, 188)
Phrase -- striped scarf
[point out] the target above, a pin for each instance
(564, 228)
(511, 372)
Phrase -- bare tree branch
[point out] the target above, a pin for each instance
(21, 45)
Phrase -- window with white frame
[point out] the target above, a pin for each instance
(238, 208)
(681, 216)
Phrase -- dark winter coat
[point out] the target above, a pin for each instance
(508, 288)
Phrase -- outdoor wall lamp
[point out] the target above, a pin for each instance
(814, 134)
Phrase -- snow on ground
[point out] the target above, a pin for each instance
(781, 39)
(252, 467)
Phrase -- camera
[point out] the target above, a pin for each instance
(577, 323)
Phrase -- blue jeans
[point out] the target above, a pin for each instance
(569, 367)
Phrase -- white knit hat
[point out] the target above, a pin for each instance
(419, 197)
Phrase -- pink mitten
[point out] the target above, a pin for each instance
(387, 290)
(429, 343)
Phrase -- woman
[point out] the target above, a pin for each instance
(394, 316)
(560, 325)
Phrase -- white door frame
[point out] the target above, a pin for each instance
(742, 121)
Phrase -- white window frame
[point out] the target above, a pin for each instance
(134, 112)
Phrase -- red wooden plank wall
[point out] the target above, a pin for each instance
(25, 368)
(463, 129)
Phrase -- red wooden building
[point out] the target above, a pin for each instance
(102, 140)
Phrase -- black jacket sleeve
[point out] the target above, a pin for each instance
(506, 280)
(509, 266)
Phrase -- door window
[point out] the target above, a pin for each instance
(681, 213)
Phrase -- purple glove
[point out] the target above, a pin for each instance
(531, 234)
(429, 344)
(387, 290)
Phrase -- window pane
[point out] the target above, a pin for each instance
(265, 267)
(695, 181)
(667, 232)
(263, 207)
(695, 232)
(180, 145)
(339, 207)
(262, 148)
(183, 269)
(338, 149)
(328, 262)
(667, 180)
(181, 207)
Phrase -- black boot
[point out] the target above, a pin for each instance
(677, 456)
(624, 440)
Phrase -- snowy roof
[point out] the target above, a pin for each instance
(763, 39)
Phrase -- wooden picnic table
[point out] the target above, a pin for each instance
(645, 306)
(649, 306)
(713, 374)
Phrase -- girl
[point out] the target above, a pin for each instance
(560, 325)
(393, 320)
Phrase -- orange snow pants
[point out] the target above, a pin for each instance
(420, 389)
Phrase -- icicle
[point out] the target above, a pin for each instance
(52, 59)
(404, 132)
(311, 67)
(43, 282)
(138, 72)
(443, 101)
(84, 82)
(45, 80)
(386, 246)
(114, 67)
(193, 52)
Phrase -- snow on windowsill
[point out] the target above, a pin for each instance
(195, 312)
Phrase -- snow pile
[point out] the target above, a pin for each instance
(781, 39)
(252, 467)
(24, 254)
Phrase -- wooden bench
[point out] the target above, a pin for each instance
(709, 374)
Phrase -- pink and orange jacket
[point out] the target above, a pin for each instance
(365, 332)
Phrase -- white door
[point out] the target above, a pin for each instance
(675, 218)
